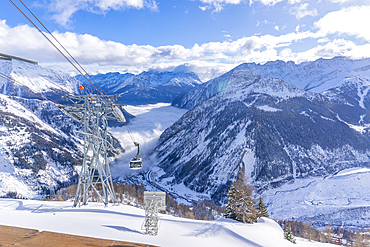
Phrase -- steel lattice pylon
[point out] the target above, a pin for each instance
(94, 111)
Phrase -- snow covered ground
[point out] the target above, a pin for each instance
(124, 223)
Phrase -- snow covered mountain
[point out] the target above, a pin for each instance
(276, 130)
(38, 149)
(35, 80)
(146, 88)
(317, 76)
(279, 133)
(37, 146)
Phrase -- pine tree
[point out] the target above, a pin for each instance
(231, 201)
(261, 209)
(240, 203)
(288, 235)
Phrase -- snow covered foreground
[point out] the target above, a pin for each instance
(124, 223)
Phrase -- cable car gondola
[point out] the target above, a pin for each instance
(136, 162)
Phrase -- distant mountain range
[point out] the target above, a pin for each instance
(146, 88)
(317, 76)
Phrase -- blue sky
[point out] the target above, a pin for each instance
(206, 36)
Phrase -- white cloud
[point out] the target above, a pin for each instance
(302, 11)
(294, 1)
(285, 53)
(203, 8)
(323, 40)
(266, 2)
(63, 10)
(207, 59)
(221, 1)
(11, 40)
(276, 28)
(146, 128)
(338, 47)
(217, 5)
(340, 1)
(351, 21)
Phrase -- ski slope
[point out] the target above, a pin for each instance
(124, 223)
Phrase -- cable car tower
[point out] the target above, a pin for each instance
(94, 111)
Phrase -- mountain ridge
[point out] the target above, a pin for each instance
(317, 76)
(148, 87)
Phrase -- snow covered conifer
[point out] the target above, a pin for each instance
(261, 209)
(230, 207)
(240, 203)
(288, 235)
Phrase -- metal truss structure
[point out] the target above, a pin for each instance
(153, 202)
(94, 111)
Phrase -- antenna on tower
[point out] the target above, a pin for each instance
(94, 111)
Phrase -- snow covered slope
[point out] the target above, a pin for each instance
(38, 80)
(316, 76)
(37, 148)
(291, 141)
(124, 223)
(146, 88)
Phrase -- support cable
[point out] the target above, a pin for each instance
(84, 75)
(55, 46)
(51, 21)
(64, 49)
